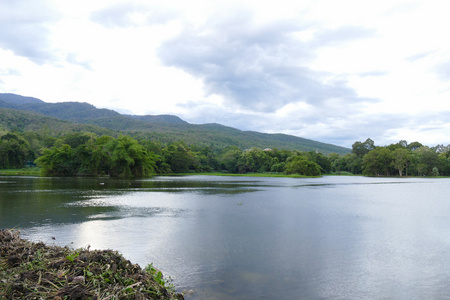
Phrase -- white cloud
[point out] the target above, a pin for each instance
(333, 71)
(24, 29)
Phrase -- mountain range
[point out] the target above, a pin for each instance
(20, 113)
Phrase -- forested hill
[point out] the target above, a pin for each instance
(14, 99)
(24, 121)
(163, 128)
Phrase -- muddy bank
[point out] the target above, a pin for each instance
(36, 271)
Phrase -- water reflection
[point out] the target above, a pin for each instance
(31, 200)
(254, 238)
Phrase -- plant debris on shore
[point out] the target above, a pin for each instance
(31, 270)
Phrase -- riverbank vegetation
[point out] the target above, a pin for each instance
(88, 154)
(36, 271)
(399, 159)
(33, 171)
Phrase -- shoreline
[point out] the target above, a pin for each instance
(35, 270)
(36, 173)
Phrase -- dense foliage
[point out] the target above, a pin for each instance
(400, 159)
(14, 151)
(87, 154)
(81, 154)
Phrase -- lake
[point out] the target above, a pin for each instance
(250, 237)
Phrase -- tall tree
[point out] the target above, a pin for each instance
(361, 149)
(14, 151)
(129, 158)
(414, 146)
(377, 162)
(428, 159)
(400, 159)
(93, 159)
(229, 159)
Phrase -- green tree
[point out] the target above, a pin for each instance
(421, 169)
(75, 139)
(300, 164)
(14, 151)
(58, 161)
(444, 164)
(129, 158)
(414, 146)
(435, 172)
(400, 160)
(360, 149)
(178, 158)
(278, 167)
(334, 159)
(254, 160)
(427, 158)
(229, 159)
(323, 161)
(94, 160)
(377, 161)
(351, 163)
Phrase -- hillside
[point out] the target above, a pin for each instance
(27, 114)
(17, 99)
(159, 118)
(21, 121)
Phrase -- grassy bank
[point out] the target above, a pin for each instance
(36, 172)
(20, 172)
(36, 271)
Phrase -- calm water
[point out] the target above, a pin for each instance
(253, 238)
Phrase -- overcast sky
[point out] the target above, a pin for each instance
(327, 70)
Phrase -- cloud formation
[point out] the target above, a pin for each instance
(27, 34)
(315, 69)
(260, 68)
(132, 14)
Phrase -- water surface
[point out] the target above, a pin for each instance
(253, 238)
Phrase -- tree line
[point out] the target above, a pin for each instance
(87, 154)
(399, 159)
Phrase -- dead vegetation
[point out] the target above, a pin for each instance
(36, 271)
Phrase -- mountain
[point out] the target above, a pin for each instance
(17, 120)
(17, 99)
(159, 118)
(164, 128)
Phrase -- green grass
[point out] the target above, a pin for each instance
(21, 172)
(37, 172)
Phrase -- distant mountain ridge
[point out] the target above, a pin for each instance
(17, 99)
(159, 118)
(163, 128)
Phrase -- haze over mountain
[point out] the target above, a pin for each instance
(163, 128)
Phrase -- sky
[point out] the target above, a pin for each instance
(331, 71)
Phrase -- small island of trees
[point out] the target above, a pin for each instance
(86, 154)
